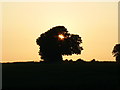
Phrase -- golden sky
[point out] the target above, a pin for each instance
(95, 22)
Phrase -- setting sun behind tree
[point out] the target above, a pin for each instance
(52, 48)
(61, 36)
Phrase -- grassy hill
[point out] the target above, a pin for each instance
(60, 76)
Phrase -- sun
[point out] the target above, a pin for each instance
(61, 36)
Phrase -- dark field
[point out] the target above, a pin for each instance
(61, 76)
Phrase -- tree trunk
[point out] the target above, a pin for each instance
(118, 59)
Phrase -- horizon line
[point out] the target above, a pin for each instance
(63, 60)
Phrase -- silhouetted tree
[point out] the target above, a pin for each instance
(116, 52)
(80, 60)
(93, 60)
(66, 60)
(57, 42)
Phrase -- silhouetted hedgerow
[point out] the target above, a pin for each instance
(57, 42)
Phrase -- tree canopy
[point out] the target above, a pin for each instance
(57, 42)
(116, 52)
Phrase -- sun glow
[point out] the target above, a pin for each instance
(61, 36)
(29, 20)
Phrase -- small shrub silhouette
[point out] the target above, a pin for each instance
(57, 42)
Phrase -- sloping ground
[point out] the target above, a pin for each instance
(62, 76)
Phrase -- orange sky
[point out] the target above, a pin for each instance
(95, 22)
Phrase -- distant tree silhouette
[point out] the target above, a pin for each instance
(80, 60)
(57, 42)
(71, 60)
(66, 60)
(93, 60)
(116, 52)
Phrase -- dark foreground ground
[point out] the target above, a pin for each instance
(60, 76)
